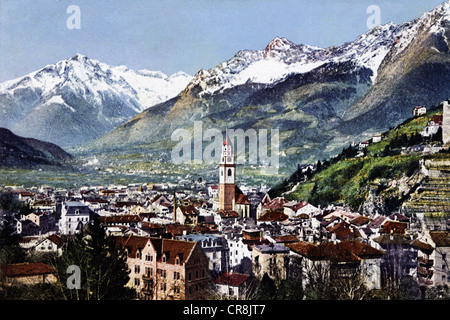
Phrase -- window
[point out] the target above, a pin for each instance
(137, 269)
(137, 282)
(164, 259)
(229, 172)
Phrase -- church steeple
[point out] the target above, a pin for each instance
(227, 172)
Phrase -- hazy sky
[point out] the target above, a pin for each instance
(178, 35)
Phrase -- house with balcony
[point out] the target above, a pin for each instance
(166, 269)
(433, 267)
(337, 260)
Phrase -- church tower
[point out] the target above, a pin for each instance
(227, 174)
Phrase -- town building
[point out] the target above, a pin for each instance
(434, 258)
(337, 260)
(28, 274)
(419, 110)
(74, 214)
(271, 259)
(215, 248)
(446, 123)
(234, 286)
(166, 269)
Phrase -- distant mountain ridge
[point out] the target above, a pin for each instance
(80, 99)
(16, 151)
(319, 99)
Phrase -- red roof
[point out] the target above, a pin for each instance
(344, 231)
(27, 269)
(394, 227)
(273, 215)
(231, 279)
(346, 251)
(228, 214)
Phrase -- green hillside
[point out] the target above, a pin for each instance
(384, 175)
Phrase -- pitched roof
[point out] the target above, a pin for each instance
(441, 238)
(360, 221)
(241, 199)
(394, 227)
(188, 210)
(27, 269)
(377, 222)
(55, 239)
(172, 249)
(344, 231)
(273, 215)
(123, 218)
(285, 239)
(231, 279)
(345, 251)
(132, 243)
(228, 213)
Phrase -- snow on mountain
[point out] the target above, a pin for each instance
(282, 57)
(79, 99)
(89, 77)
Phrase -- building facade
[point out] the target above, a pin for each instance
(165, 269)
(227, 177)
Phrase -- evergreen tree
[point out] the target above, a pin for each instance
(266, 290)
(10, 251)
(104, 271)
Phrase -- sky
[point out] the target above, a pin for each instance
(178, 35)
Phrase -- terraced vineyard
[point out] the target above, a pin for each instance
(431, 201)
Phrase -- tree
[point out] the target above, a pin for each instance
(266, 290)
(10, 251)
(104, 271)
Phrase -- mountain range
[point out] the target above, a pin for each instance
(16, 151)
(80, 99)
(320, 99)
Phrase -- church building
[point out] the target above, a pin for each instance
(232, 201)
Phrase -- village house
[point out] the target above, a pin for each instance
(166, 269)
(74, 214)
(377, 138)
(400, 261)
(234, 285)
(215, 249)
(52, 243)
(28, 274)
(434, 258)
(186, 215)
(337, 260)
(419, 110)
(270, 259)
(295, 209)
(160, 205)
(433, 126)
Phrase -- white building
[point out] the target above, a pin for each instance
(74, 215)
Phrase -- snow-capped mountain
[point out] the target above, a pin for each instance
(282, 58)
(89, 96)
(321, 99)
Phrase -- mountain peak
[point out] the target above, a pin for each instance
(279, 44)
(78, 57)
